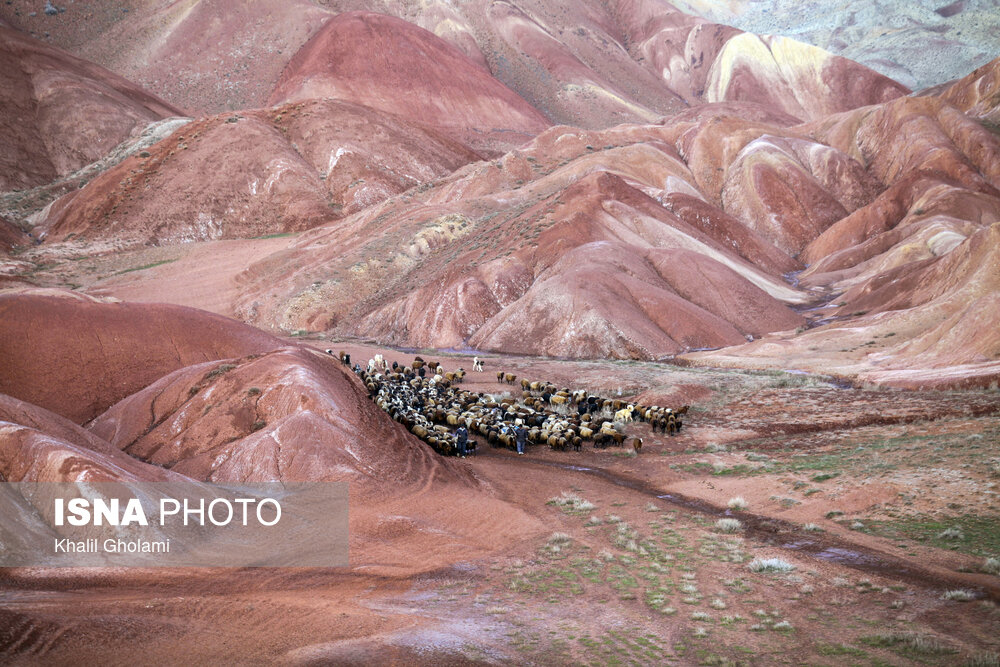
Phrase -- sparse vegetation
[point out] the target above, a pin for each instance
(958, 595)
(572, 503)
(910, 644)
(144, 266)
(729, 525)
(221, 370)
(737, 503)
(770, 565)
(952, 533)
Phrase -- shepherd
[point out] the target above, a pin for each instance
(520, 436)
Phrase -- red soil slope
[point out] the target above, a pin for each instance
(11, 236)
(59, 113)
(294, 414)
(395, 66)
(701, 61)
(978, 94)
(40, 446)
(206, 57)
(911, 275)
(76, 356)
(589, 63)
(582, 261)
(286, 170)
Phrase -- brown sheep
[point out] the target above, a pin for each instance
(637, 444)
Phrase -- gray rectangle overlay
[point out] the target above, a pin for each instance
(171, 524)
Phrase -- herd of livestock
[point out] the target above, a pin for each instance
(430, 403)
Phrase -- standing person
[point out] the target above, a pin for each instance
(520, 436)
(461, 440)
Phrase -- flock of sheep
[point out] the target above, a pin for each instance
(432, 408)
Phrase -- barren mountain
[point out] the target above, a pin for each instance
(591, 64)
(289, 415)
(59, 113)
(286, 169)
(613, 196)
(391, 65)
(921, 43)
(977, 93)
(573, 245)
(11, 236)
(75, 355)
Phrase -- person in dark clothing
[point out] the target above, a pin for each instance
(461, 440)
(520, 437)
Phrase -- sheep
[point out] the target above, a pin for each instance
(431, 409)
(477, 365)
(624, 415)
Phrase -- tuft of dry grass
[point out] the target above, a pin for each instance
(770, 565)
(958, 595)
(728, 525)
(737, 503)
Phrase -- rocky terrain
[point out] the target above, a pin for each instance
(920, 44)
(624, 197)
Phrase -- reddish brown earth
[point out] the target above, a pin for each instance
(446, 566)
(978, 93)
(640, 241)
(307, 420)
(11, 236)
(596, 239)
(287, 169)
(40, 446)
(715, 199)
(60, 113)
(204, 57)
(590, 64)
(76, 356)
(393, 66)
